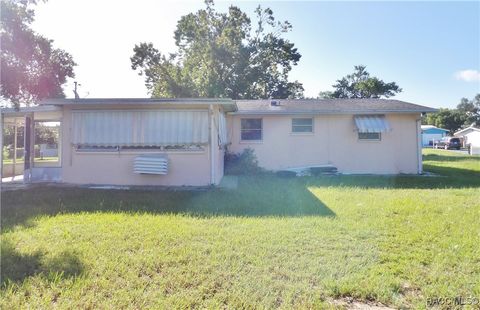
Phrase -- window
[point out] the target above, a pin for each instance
(140, 128)
(369, 136)
(251, 129)
(46, 144)
(300, 125)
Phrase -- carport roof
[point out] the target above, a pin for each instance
(226, 103)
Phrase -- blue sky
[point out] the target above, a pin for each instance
(423, 46)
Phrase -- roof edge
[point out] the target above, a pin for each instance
(26, 110)
(468, 128)
(228, 104)
(435, 127)
(61, 101)
(256, 112)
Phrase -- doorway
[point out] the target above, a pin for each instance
(13, 149)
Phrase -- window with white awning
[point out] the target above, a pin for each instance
(371, 123)
(140, 128)
(370, 127)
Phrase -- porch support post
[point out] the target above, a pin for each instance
(15, 142)
(1, 147)
(28, 147)
(212, 149)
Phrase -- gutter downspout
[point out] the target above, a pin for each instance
(419, 147)
(212, 139)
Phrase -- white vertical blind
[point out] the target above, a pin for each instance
(139, 128)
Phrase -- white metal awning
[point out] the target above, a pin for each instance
(371, 123)
(140, 127)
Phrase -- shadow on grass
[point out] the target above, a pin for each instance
(16, 266)
(255, 197)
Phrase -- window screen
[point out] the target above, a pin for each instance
(302, 125)
(251, 129)
(369, 136)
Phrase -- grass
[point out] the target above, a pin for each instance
(10, 161)
(37, 159)
(274, 242)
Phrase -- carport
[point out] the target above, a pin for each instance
(30, 144)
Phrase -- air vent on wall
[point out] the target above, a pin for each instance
(151, 164)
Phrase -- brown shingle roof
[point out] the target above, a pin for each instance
(329, 106)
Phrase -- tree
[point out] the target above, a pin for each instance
(466, 114)
(221, 55)
(325, 95)
(471, 109)
(360, 84)
(31, 69)
(451, 119)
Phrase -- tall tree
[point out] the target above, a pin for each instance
(222, 55)
(31, 69)
(471, 109)
(360, 84)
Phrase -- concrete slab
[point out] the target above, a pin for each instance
(14, 179)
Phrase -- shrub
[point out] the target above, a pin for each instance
(317, 171)
(242, 163)
(286, 174)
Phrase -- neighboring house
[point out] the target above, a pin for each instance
(431, 133)
(471, 139)
(177, 142)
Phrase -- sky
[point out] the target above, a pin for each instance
(430, 49)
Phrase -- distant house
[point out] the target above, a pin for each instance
(174, 142)
(471, 139)
(431, 133)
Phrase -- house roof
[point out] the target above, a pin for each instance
(264, 106)
(226, 103)
(427, 127)
(329, 106)
(466, 130)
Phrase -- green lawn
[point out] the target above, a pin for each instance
(37, 160)
(273, 242)
(9, 161)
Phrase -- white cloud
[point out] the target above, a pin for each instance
(468, 75)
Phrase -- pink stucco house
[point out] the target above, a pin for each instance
(177, 142)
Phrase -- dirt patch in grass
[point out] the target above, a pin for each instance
(353, 304)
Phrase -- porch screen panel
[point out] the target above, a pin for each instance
(139, 128)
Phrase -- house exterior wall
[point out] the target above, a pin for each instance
(334, 141)
(432, 134)
(428, 138)
(189, 168)
(473, 140)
